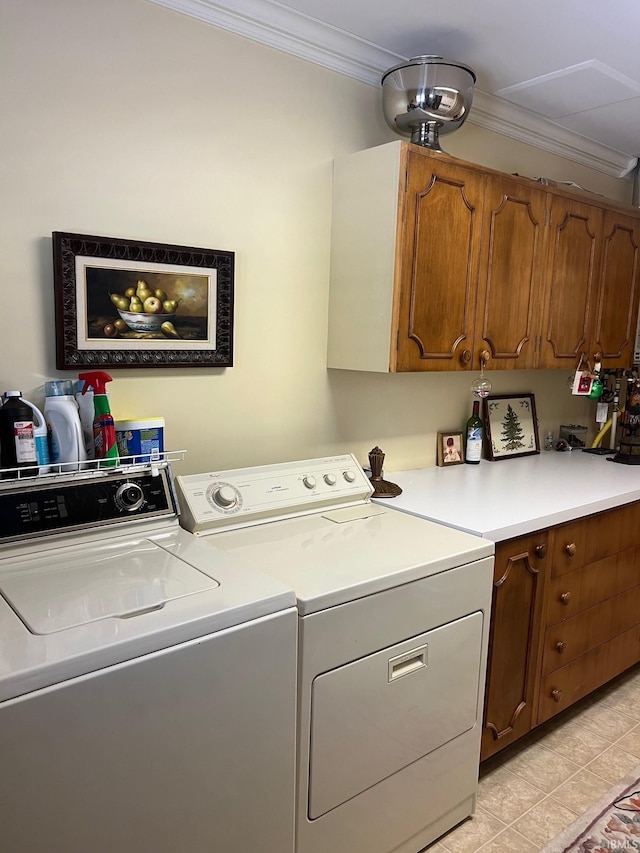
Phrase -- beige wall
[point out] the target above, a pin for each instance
(124, 119)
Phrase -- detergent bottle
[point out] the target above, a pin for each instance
(104, 430)
(86, 409)
(63, 424)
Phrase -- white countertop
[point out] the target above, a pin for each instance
(512, 497)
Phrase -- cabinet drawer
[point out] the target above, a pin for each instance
(572, 592)
(562, 688)
(593, 538)
(574, 637)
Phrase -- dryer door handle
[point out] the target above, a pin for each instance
(407, 663)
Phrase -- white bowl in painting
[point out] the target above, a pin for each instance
(139, 322)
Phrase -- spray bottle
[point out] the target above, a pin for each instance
(104, 432)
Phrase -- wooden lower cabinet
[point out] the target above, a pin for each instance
(565, 620)
(516, 621)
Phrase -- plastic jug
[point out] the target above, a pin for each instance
(17, 442)
(66, 443)
(39, 434)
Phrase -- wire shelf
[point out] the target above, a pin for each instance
(144, 462)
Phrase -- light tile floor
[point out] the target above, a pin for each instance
(531, 793)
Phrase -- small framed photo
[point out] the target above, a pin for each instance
(511, 426)
(130, 303)
(450, 449)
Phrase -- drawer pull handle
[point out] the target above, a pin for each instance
(560, 647)
(556, 695)
(541, 551)
(570, 549)
(407, 663)
(565, 598)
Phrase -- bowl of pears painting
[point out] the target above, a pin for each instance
(125, 303)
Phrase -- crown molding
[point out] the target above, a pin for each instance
(275, 25)
(524, 126)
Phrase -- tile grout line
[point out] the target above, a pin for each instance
(550, 795)
(606, 702)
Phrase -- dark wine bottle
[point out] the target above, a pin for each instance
(473, 446)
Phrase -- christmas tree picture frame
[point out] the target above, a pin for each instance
(511, 426)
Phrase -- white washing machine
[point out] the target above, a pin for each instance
(393, 630)
(147, 686)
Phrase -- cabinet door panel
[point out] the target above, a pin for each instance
(439, 265)
(516, 624)
(572, 266)
(510, 273)
(615, 324)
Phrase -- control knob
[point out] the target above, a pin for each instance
(225, 497)
(349, 476)
(129, 496)
(330, 479)
(309, 481)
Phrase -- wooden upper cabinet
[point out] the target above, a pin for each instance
(510, 277)
(619, 290)
(438, 265)
(572, 265)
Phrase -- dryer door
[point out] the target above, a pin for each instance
(374, 716)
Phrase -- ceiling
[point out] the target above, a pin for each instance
(560, 74)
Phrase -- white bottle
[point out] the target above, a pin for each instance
(39, 434)
(87, 414)
(66, 443)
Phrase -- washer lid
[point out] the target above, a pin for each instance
(88, 584)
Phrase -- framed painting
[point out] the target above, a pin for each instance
(128, 303)
(450, 449)
(511, 426)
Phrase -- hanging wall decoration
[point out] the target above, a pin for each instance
(511, 426)
(128, 303)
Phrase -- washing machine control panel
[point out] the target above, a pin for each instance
(46, 507)
(244, 496)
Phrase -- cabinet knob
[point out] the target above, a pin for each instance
(570, 549)
(565, 598)
(560, 647)
(485, 355)
(556, 694)
(465, 356)
(541, 551)
(597, 356)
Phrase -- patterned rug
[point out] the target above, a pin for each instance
(613, 823)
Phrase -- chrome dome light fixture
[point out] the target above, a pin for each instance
(427, 96)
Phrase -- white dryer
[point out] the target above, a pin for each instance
(147, 686)
(393, 631)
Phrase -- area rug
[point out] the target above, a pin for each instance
(613, 823)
